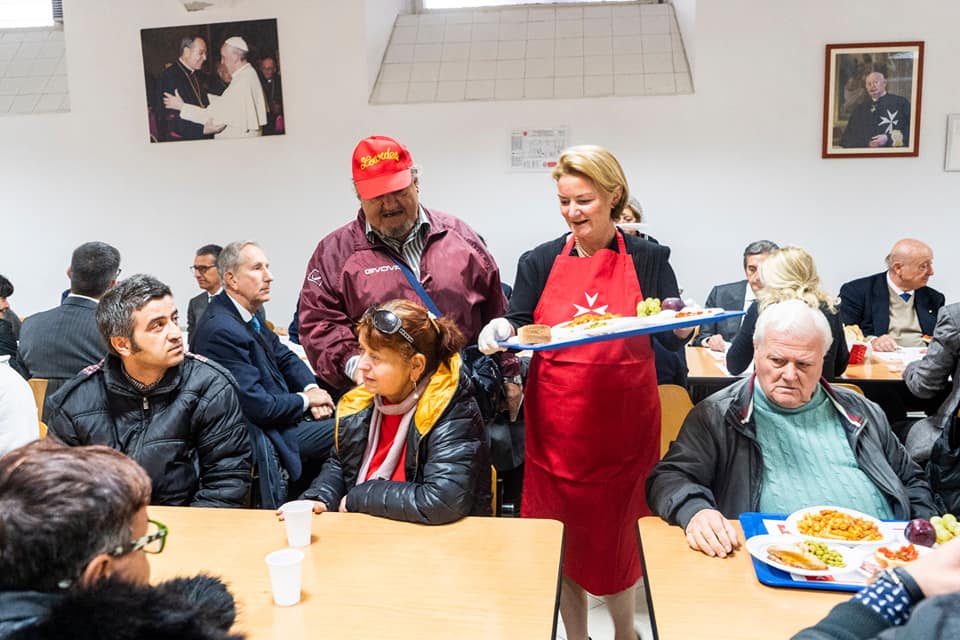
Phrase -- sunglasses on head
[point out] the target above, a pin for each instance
(389, 323)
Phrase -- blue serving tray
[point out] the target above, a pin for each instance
(642, 331)
(752, 523)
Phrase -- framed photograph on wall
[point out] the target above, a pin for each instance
(871, 100)
(213, 81)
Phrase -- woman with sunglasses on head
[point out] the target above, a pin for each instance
(410, 442)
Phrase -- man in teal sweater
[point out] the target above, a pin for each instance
(782, 440)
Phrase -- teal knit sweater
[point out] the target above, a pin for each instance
(807, 459)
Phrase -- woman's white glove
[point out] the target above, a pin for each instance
(496, 330)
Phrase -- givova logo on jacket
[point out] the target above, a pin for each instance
(380, 269)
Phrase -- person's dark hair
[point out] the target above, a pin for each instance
(210, 250)
(6, 287)
(187, 43)
(116, 307)
(758, 247)
(437, 339)
(93, 268)
(61, 506)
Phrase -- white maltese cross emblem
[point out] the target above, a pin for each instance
(591, 300)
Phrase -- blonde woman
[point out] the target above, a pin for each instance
(790, 274)
(592, 411)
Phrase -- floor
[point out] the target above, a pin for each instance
(601, 625)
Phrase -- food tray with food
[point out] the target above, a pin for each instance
(836, 524)
(802, 557)
(872, 560)
(601, 329)
(760, 524)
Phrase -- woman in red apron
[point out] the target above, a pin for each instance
(592, 412)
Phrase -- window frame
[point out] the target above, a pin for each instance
(419, 8)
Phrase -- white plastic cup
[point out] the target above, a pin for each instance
(298, 518)
(285, 569)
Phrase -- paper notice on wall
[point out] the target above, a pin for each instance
(536, 149)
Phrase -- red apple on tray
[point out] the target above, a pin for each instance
(672, 304)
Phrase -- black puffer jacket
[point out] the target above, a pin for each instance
(187, 431)
(447, 462)
(198, 608)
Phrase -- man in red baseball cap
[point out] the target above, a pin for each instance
(392, 243)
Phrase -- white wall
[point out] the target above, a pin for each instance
(380, 16)
(737, 161)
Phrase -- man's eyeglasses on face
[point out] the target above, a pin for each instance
(153, 542)
(388, 323)
(201, 269)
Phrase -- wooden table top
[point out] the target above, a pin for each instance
(702, 363)
(367, 577)
(696, 596)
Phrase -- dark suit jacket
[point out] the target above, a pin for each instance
(866, 302)
(58, 343)
(195, 310)
(728, 296)
(8, 347)
(198, 307)
(177, 78)
(268, 374)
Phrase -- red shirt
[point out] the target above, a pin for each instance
(388, 431)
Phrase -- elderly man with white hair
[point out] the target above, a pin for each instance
(241, 111)
(782, 440)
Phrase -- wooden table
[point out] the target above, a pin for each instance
(691, 595)
(702, 363)
(367, 577)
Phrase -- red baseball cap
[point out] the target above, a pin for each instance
(380, 165)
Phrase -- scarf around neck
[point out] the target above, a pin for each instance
(407, 407)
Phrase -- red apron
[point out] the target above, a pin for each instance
(592, 423)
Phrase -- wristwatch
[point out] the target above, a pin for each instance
(513, 379)
(899, 576)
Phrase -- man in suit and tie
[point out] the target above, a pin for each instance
(896, 307)
(735, 296)
(278, 392)
(56, 344)
(208, 278)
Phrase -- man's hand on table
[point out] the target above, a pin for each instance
(710, 533)
(318, 507)
(883, 343)
(715, 343)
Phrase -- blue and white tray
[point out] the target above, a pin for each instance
(648, 328)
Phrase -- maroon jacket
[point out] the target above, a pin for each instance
(347, 274)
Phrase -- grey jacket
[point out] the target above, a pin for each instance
(927, 377)
(936, 618)
(716, 462)
(58, 343)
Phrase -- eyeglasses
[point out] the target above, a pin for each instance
(202, 270)
(388, 323)
(153, 542)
